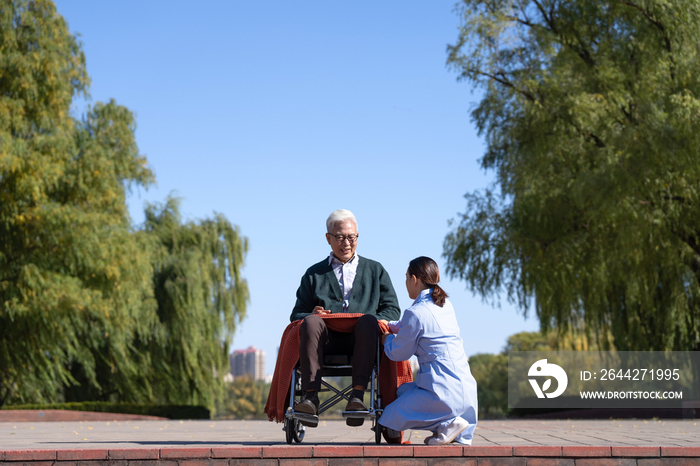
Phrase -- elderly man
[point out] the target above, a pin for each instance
(342, 282)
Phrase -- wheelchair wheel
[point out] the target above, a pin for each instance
(289, 429)
(377, 430)
(294, 430)
(299, 431)
(377, 427)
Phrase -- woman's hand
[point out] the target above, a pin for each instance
(384, 335)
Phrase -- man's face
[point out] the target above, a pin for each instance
(344, 250)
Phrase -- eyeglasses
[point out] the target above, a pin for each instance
(341, 238)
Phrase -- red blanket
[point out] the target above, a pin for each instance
(391, 373)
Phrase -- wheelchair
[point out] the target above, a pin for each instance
(333, 366)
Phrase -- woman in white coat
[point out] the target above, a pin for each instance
(442, 398)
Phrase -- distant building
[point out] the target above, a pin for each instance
(249, 362)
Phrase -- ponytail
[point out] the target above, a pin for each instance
(438, 295)
(426, 270)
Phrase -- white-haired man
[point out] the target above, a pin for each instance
(342, 282)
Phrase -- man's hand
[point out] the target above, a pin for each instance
(319, 311)
(384, 320)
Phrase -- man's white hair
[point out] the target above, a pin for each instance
(340, 215)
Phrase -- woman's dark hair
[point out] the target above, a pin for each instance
(426, 270)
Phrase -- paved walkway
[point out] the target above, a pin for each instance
(169, 433)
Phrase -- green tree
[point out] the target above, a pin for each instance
(201, 296)
(591, 117)
(527, 341)
(245, 399)
(90, 308)
(491, 372)
(73, 281)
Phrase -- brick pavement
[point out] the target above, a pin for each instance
(231, 443)
(44, 415)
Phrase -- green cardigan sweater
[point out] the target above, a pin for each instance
(372, 291)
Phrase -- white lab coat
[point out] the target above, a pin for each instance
(444, 387)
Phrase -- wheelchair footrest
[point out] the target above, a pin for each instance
(309, 420)
(359, 414)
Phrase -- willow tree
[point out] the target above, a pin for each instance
(74, 281)
(201, 295)
(91, 308)
(591, 116)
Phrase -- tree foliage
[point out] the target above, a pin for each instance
(491, 372)
(201, 296)
(82, 294)
(72, 281)
(592, 122)
(245, 399)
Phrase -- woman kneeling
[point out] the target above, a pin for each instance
(442, 398)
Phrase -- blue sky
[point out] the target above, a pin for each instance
(277, 113)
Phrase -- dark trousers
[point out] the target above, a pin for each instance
(316, 340)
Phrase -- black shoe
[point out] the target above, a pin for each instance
(308, 406)
(355, 404)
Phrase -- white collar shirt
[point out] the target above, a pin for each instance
(345, 273)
